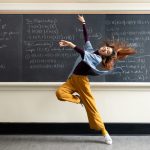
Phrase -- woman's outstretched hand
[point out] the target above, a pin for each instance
(64, 43)
(81, 18)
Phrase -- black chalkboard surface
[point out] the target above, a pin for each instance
(29, 50)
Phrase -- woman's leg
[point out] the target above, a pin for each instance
(95, 120)
(82, 86)
(65, 93)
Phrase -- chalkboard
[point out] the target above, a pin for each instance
(29, 50)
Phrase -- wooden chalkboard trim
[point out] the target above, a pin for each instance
(106, 84)
(73, 12)
(52, 86)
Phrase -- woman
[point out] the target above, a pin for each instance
(78, 81)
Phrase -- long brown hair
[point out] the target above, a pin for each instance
(121, 50)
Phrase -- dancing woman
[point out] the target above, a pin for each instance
(78, 80)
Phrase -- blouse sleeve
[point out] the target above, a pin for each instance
(80, 51)
(85, 34)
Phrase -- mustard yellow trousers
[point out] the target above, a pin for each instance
(81, 85)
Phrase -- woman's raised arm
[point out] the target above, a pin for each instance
(85, 34)
(64, 43)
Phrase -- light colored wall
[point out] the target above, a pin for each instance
(36, 102)
(69, 7)
(74, 1)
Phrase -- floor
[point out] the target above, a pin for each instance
(72, 142)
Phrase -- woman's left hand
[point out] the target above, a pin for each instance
(81, 18)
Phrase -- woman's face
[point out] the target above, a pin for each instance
(105, 51)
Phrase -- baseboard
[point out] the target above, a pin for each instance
(73, 128)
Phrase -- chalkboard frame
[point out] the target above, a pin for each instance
(93, 84)
(75, 12)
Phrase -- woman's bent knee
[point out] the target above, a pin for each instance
(59, 94)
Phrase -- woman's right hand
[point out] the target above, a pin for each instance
(64, 43)
(81, 18)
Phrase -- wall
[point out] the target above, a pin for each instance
(36, 102)
(74, 1)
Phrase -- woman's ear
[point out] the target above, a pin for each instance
(109, 64)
